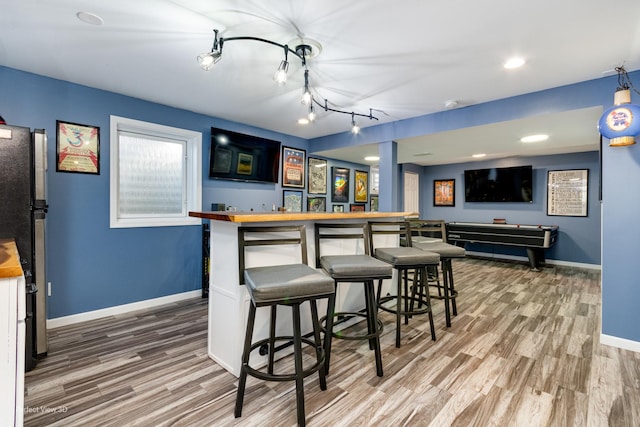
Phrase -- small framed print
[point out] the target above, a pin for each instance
(374, 204)
(361, 186)
(338, 208)
(292, 200)
(444, 192)
(340, 185)
(245, 164)
(316, 204)
(77, 148)
(293, 167)
(356, 208)
(317, 176)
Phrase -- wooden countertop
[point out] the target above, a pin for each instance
(9, 259)
(231, 216)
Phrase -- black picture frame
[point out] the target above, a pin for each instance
(316, 204)
(444, 192)
(292, 200)
(568, 192)
(316, 176)
(293, 167)
(340, 185)
(77, 148)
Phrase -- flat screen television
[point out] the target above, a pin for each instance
(512, 184)
(241, 157)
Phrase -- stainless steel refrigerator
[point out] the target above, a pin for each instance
(23, 207)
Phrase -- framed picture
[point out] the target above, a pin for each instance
(340, 185)
(292, 200)
(361, 191)
(567, 192)
(293, 167)
(317, 173)
(373, 205)
(77, 148)
(444, 192)
(337, 208)
(245, 164)
(316, 204)
(356, 208)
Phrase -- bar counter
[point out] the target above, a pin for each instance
(229, 301)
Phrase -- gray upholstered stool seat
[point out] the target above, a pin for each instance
(447, 290)
(285, 285)
(404, 259)
(286, 282)
(353, 268)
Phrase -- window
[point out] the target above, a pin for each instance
(374, 174)
(156, 174)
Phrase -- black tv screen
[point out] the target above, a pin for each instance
(513, 184)
(243, 157)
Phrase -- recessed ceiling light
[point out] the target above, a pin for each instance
(303, 121)
(514, 62)
(534, 138)
(90, 18)
(479, 155)
(372, 158)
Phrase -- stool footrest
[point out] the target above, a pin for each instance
(425, 309)
(350, 314)
(286, 376)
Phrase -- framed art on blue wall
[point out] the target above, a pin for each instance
(292, 200)
(340, 185)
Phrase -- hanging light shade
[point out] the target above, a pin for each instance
(621, 123)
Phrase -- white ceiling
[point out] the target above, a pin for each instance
(403, 59)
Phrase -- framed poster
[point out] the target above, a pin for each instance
(77, 148)
(245, 164)
(292, 200)
(373, 205)
(338, 208)
(444, 192)
(316, 204)
(361, 191)
(317, 173)
(567, 192)
(356, 208)
(293, 167)
(340, 185)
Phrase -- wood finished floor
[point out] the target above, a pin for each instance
(523, 351)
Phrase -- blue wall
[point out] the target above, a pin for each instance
(573, 245)
(92, 266)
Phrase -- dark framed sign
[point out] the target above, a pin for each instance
(317, 176)
(340, 185)
(316, 204)
(356, 207)
(77, 148)
(293, 169)
(567, 192)
(444, 192)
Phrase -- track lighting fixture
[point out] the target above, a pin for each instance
(302, 51)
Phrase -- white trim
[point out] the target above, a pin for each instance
(120, 309)
(525, 259)
(620, 343)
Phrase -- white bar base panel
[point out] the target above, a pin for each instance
(229, 302)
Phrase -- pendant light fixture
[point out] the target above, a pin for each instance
(621, 123)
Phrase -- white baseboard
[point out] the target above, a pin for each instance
(620, 343)
(525, 259)
(120, 309)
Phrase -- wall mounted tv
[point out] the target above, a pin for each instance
(243, 157)
(512, 184)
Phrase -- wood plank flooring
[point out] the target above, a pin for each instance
(523, 351)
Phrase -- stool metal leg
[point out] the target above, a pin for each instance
(372, 318)
(297, 354)
(272, 342)
(329, 332)
(423, 272)
(242, 381)
(398, 308)
(318, 343)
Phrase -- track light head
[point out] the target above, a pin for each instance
(280, 76)
(209, 59)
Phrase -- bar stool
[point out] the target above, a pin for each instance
(288, 285)
(404, 259)
(431, 235)
(352, 268)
